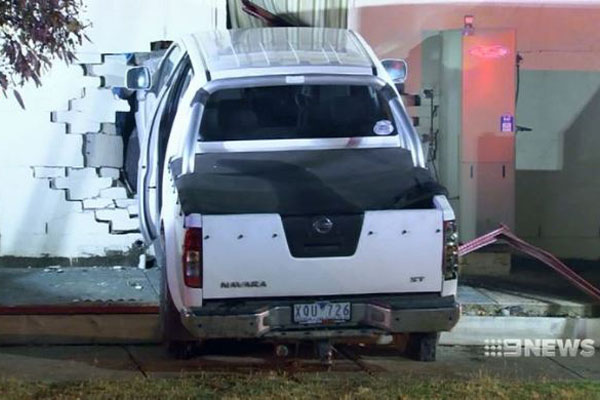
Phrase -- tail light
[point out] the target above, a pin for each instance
(450, 265)
(192, 257)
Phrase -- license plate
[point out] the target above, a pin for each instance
(321, 312)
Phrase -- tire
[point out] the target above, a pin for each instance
(422, 346)
(178, 341)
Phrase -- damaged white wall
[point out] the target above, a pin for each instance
(60, 159)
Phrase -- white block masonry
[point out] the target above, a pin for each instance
(82, 183)
(118, 219)
(49, 172)
(103, 150)
(61, 158)
(95, 203)
(110, 172)
(114, 193)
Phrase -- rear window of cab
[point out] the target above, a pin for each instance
(296, 112)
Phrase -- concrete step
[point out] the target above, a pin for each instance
(79, 328)
(473, 331)
(144, 328)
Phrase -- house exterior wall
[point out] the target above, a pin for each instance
(61, 158)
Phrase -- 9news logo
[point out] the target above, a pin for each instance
(538, 347)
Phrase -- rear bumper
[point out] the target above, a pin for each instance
(371, 317)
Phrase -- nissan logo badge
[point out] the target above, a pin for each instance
(322, 225)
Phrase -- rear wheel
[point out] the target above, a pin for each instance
(178, 341)
(422, 346)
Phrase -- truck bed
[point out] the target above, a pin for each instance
(307, 182)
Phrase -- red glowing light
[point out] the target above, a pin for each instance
(490, 51)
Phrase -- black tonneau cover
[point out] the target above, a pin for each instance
(303, 182)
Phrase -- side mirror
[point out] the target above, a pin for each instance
(396, 68)
(138, 78)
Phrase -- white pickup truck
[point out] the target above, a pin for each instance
(285, 192)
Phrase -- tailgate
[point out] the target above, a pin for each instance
(265, 255)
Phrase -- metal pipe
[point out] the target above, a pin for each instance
(505, 234)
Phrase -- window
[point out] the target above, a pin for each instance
(296, 111)
(166, 68)
(188, 74)
(181, 81)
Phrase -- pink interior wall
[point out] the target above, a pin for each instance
(548, 37)
(554, 209)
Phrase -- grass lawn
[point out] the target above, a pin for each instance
(313, 386)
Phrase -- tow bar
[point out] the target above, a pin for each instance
(504, 233)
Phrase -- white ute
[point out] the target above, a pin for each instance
(285, 192)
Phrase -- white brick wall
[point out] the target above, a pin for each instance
(60, 159)
(82, 183)
(118, 219)
(102, 150)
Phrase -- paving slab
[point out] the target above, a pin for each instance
(499, 301)
(80, 286)
(531, 277)
(472, 295)
(75, 285)
(76, 363)
(79, 329)
(470, 361)
(66, 363)
(584, 367)
(453, 362)
(155, 362)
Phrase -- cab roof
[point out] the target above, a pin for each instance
(273, 51)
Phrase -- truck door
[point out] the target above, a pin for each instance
(170, 68)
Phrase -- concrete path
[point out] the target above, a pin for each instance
(85, 286)
(77, 286)
(92, 305)
(69, 363)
